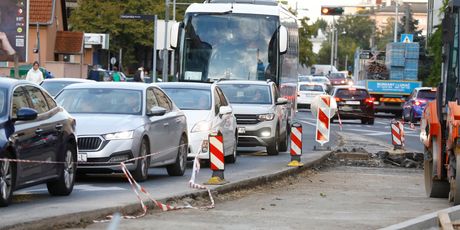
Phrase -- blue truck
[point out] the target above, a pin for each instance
(389, 76)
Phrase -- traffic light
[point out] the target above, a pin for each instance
(331, 10)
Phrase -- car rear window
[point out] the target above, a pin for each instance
(426, 94)
(310, 88)
(352, 94)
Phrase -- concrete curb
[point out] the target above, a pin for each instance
(428, 221)
(87, 217)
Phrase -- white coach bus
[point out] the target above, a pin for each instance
(238, 40)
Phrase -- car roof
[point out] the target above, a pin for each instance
(68, 80)
(184, 85)
(310, 83)
(348, 87)
(248, 82)
(9, 83)
(111, 85)
(425, 88)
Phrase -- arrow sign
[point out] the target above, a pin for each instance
(138, 16)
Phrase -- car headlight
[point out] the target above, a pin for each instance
(201, 126)
(119, 136)
(266, 117)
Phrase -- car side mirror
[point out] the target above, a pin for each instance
(281, 101)
(283, 41)
(156, 111)
(26, 114)
(225, 110)
(174, 39)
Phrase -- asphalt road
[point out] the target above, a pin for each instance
(102, 191)
(335, 198)
(380, 130)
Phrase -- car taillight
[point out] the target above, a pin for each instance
(370, 100)
(338, 99)
(419, 102)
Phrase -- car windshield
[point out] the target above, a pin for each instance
(247, 94)
(106, 101)
(54, 87)
(320, 79)
(426, 94)
(337, 76)
(310, 88)
(190, 99)
(352, 94)
(230, 46)
(304, 78)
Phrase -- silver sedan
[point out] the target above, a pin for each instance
(120, 121)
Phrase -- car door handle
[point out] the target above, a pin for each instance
(59, 126)
(165, 124)
(38, 131)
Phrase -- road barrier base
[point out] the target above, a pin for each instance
(295, 163)
(321, 148)
(215, 180)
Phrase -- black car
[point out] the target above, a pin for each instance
(354, 103)
(34, 127)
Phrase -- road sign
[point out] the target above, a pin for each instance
(113, 60)
(407, 38)
(138, 16)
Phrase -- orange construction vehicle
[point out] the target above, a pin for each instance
(441, 119)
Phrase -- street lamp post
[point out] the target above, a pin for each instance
(165, 48)
(395, 39)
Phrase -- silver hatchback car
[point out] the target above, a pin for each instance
(120, 121)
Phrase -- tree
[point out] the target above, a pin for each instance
(306, 31)
(135, 37)
(353, 32)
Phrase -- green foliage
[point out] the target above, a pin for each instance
(354, 31)
(135, 37)
(435, 52)
(306, 31)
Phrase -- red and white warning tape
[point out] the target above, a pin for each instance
(140, 191)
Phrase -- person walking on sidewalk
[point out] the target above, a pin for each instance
(34, 74)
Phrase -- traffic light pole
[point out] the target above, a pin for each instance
(395, 39)
(332, 42)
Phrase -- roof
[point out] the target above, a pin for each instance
(184, 85)
(235, 8)
(68, 80)
(69, 42)
(111, 85)
(228, 82)
(41, 11)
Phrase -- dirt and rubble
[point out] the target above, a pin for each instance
(357, 187)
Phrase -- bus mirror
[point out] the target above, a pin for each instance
(283, 41)
(174, 35)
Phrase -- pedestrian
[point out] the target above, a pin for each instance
(139, 75)
(115, 74)
(34, 74)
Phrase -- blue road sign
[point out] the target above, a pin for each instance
(407, 38)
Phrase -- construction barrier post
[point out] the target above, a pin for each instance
(296, 145)
(323, 119)
(397, 134)
(217, 159)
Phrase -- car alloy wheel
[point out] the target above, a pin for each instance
(178, 167)
(6, 180)
(142, 169)
(69, 170)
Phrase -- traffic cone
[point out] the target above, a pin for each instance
(217, 159)
(296, 145)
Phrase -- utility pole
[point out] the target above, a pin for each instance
(396, 21)
(407, 14)
(165, 48)
(336, 47)
(332, 42)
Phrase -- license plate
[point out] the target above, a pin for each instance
(82, 157)
(346, 108)
(352, 102)
(241, 130)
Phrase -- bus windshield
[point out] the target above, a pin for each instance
(230, 46)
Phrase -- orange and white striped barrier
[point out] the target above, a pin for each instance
(217, 159)
(296, 145)
(323, 120)
(397, 134)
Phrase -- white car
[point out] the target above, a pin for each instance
(207, 110)
(306, 91)
(261, 114)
